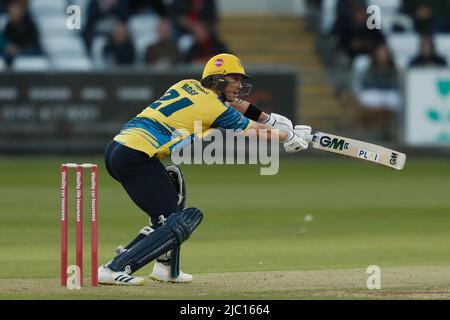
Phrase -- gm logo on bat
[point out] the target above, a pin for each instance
(334, 143)
(394, 157)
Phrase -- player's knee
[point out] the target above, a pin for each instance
(177, 228)
(177, 179)
(146, 231)
(184, 223)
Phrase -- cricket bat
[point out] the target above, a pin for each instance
(358, 149)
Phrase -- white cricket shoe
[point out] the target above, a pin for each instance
(161, 272)
(107, 276)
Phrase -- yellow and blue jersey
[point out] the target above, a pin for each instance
(170, 120)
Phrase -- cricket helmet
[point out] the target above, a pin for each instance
(224, 64)
(218, 67)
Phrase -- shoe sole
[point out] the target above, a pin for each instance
(170, 281)
(122, 284)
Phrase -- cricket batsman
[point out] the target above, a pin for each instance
(134, 156)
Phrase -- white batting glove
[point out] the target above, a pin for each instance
(303, 131)
(297, 139)
(278, 121)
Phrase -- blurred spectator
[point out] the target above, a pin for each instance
(2, 44)
(353, 35)
(206, 44)
(344, 9)
(186, 14)
(429, 16)
(119, 50)
(21, 34)
(3, 6)
(102, 15)
(379, 95)
(154, 6)
(427, 56)
(165, 51)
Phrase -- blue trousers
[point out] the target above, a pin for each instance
(144, 178)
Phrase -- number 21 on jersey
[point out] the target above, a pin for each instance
(166, 108)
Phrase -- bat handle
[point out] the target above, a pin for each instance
(309, 137)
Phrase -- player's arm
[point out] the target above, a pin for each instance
(293, 140)
(267, 132)
(254, 113)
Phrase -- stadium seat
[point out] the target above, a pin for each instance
(404, 46)
(328, 15)
(53, 25)
(37, 63)
(359, 65)
(402, 61)
(442, 44)
(3, 21)
(391, 20)
(83, 4)
(143, 31)
(71, 46)
(185, 43)
(405, 21)
(98, 44)
(402, 42)
(386, 6)
(387, 22)
(141, 43)
(72, 64)
(47, 7)
(143, 24)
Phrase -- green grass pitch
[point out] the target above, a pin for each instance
(309, 232)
